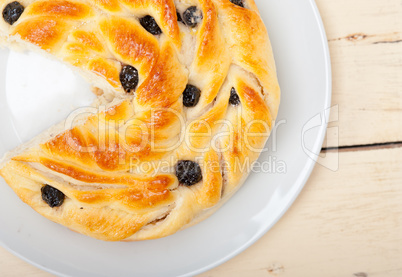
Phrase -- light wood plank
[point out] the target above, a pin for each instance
(365, 40)
(344, 223)
(11, 266)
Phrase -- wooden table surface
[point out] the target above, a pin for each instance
(346, 222)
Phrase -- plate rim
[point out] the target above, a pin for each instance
(299, 184)
(302, 179)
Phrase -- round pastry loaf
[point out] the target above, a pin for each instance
(190, 97)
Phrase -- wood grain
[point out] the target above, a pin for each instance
(344, 223)
(365, 40)
(347, 222)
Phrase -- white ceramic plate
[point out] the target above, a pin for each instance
(301, 52)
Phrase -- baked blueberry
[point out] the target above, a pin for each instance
(191, 96)
(234, 97)
(238, 2)
(149, 24)
(179, 19)
(12, 12)
(52, 196)
(188, 173)
(192, 16)
(129, 78)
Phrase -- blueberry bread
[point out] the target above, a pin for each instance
(191, 95)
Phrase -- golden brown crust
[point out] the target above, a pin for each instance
(60, 8)
(45, 32)
(107, 69)
(117, 166)
(130, 43)
(163, 11)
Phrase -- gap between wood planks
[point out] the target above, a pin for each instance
(364, 147)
